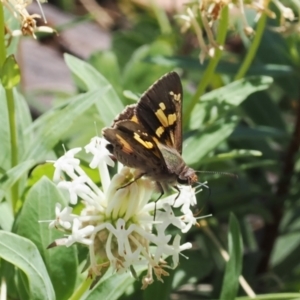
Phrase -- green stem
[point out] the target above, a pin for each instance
(13, 143)
(2, 37)
(209, 72)
(261, 24)
(85, 285)
(209, 233)
(161, 17)
(11, 113)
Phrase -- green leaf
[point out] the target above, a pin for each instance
(278, 296)
(13, 175)
(39, 171)
(266, 163)
(108, 102)
(220, 102)
(236, 92)
(186, 271)
(53, 125)
(159, 290)
(263, 111)
(238, 153)
(39, 205)
(138, 75)
(23, 254)
(85, 75)
(125, 42)
(130, 95)
(224, 67)
(5, 153)
(6, 216)
(113, 286)
(281, 54)
(261, 145)
(22, 286)
(286, 250)
(197, 146)
(13, 24)
(10, 73)
(259, 132)
(106, 63)
(23, 120)
(234, 265)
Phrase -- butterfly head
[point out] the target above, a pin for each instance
(187, 176)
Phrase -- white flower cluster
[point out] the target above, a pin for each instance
(117, 222)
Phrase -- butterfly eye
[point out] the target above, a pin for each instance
(110, 148)
(182, 180)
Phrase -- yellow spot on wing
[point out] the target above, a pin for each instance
(159, 131)
(134, 119)
(172, 137)
(156, 140)
(125, 146)
(176, 97)
(146, 144)
(162, 105)
(162, 117)
(171, 119)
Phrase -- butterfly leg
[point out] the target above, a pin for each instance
(132, 181)
(178, 190)
(161, 190)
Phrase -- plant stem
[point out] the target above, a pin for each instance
(209, 72)
(11, 113)
(271, 230)
(12, 126)
(261, 24)
(2, 37)
(77, 295)
(244, 284)
(13, 143)
(161, 17)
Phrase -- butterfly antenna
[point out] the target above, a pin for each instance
(220, 173)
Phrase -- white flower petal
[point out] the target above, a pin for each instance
(79, 234)
(97, 147)
(66, 163)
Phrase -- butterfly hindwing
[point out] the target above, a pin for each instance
(159, 110)
(127, 114)
(132, 145)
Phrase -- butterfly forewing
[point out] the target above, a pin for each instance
(132, 146)
(159, 110)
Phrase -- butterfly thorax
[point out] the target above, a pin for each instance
(176, 169)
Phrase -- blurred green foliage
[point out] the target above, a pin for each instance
(250, 127)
